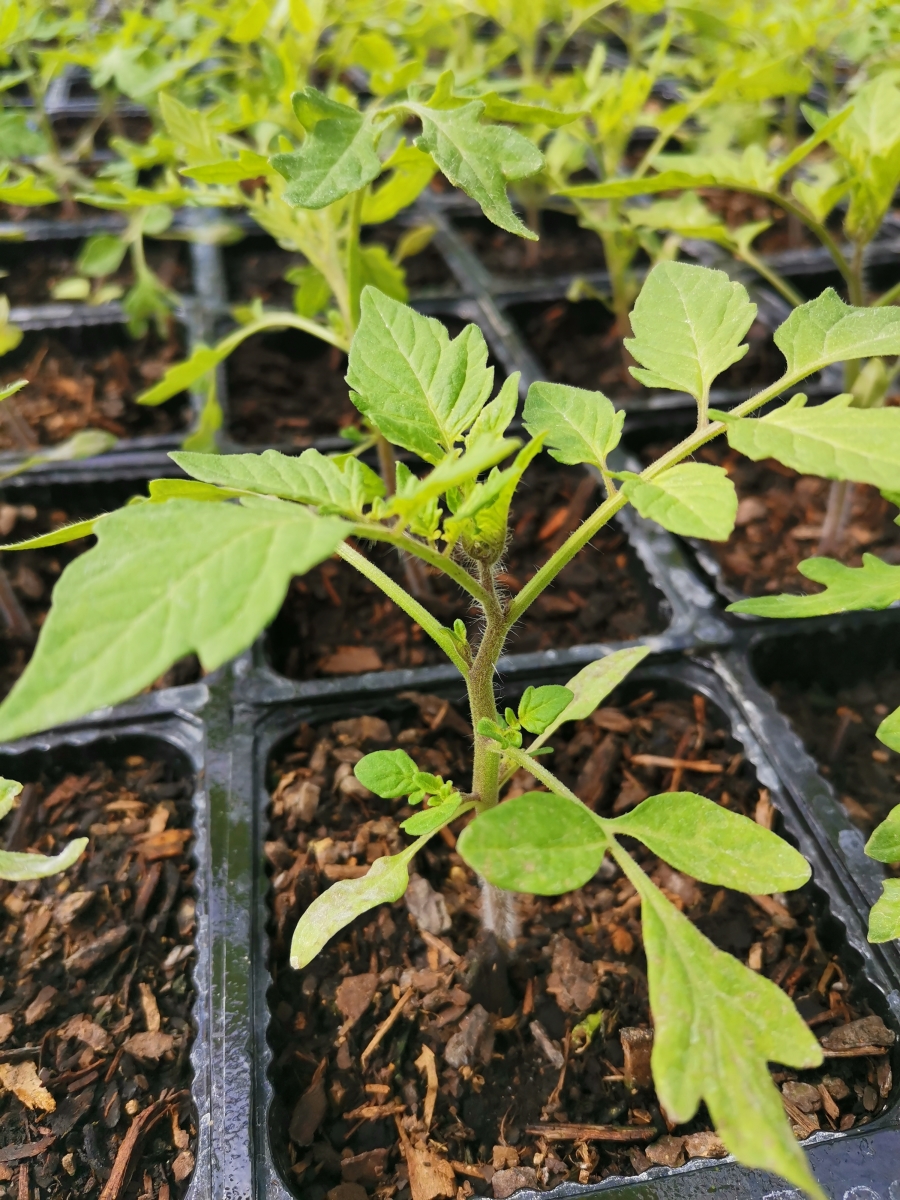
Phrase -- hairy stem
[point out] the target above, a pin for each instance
(482, 702)
(378, 533)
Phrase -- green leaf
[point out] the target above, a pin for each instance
(875, 584)
(717, 1027)
(539, 707)
(826, 330)
(229, 170)
(688, 323)
(387, 773)
(478, 158)
(16, 867)
(494, 418)
(594, 683)
(9, 789)
(336, 485)
(692, 499)
(337, 157)
(581, 426)
(884, 844)
(163, 490)
(708, 842)
(621, 189)
(412, 171)
(834, 440)
(537, 843)
(430, 820)
(419, 388)
(481, 522)
(12, 388)
(182, 375)
(66, 533)
(27, 193)
(163, 580)
(386, 881)
(101, 255)
(889, 730)
(378, 270)
(884, 919)
(500, 108)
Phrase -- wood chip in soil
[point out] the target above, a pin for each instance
(335, 622)
(356, 1101)
(96, 991)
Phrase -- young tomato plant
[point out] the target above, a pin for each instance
(203, 564)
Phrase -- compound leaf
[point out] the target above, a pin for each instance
(581, 426)
(386, 881)
(826, 330)
(884, 844)
(537, 843)
(387, 773)
(419, 388)
(875, 584)
(688, 323)
(337, 157)
(539, 707)
(693, 499)
(480, 159)
(884, 919)
(163, 580)
(833, 440)
(708, 842)
(15, 866)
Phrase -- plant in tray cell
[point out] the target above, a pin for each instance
(16, 866)
(203, 565)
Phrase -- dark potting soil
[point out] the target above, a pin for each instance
(563, 247)
(255, 268)
(32, 271)
(95, 1006)
(335, 622)
(577, 344)
(779, 523)
(27, 579)
(398, 1023)
(87, 378)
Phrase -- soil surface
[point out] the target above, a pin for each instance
(87, 378)
(27, 579)
(563, 248)
(577, 344)
(289, 388)
(32, 270)
(95, 1006)
(779, 524)
(473, 1074)
(335, 622)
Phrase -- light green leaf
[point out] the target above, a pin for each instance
(412, 171)
(430, 820)
(101, 255)
(481, 522)
(66, 533)
(621, 189)
(9, 789)
(454, 471)
(500, 108)
(387, 773)
(419, 388)
(875, 584)
(27, 193)
(494, 418)
(161, 491)
(581, 426)
(688, 323)
(833, 440)
(884, 844)
(163, 580)
(594, 683)
(884, 919)
(692, 499)
(717, 1027)
(537, 843)
(182, 375)
(378, 270)
(479, 158)
(337, 157)
(12, 388)
(229, 170)
(709, 843)
(16, 867)
(386, 881)
(826, 330)
(539, 707)
(335, 485)
(889, 730)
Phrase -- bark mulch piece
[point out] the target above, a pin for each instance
(779, 524)
(31, 275)
(87, 377)
(577, 344)
(27, 579)
(95, 1007)
(564, 248)
(404, 1067)
(335, 622)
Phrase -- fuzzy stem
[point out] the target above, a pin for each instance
(482, 702)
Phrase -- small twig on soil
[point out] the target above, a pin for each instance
(127, 1154)
(684, 764)
(26, 1150)
(384, 1028)
(426, 1065)
(593, 1133)
(856, 1052)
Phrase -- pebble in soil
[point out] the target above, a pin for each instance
(335, 622)
(779, 523)
(96, 993)
(486, 1064)
(87, 377)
